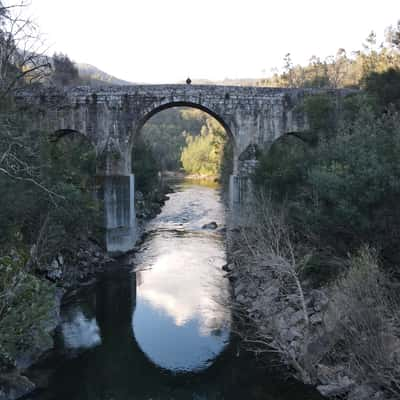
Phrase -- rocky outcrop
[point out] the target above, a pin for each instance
(90, 259)
(278, 323)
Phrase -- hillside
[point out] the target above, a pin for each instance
(96, 75)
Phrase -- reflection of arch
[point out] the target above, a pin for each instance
(228, 126)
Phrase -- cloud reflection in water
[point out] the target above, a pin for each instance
(81, 332)
(180, 321)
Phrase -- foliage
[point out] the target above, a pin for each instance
(341, 70)
(342, 190)
(264, 251)
(385, 87)
(355, 183)
(145, 166)
(47, 199)
(27, 304)
(65, 73)
(320, 110)
(22, 58)
(203, 154)
(174, 137)
(365, 321)
(47, 188)
(283, 168)
(164, 134)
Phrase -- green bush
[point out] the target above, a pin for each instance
(27, 307)
(342, 192)
(144, 166)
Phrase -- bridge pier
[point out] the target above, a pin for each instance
(240, 191)
(118, 195)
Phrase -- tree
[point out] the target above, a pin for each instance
(385, 87)
(338, 68)
(65, 73)
(22, 58)
(288, 70)
(393, 36)
(203, 154)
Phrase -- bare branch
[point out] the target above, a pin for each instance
(33, 181)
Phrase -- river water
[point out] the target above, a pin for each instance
(157, 326)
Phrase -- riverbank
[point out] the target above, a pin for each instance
(65, 275)
(281, 314)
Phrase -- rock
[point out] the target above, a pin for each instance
(316, 319)
(343, 386)
(293, 300)
(239, 288)
(362, 392)
(320, 346)
(271, 293)
(14, 386)
(297, 317)
(380, 396)
(54, 270)
(319, 300)
(327, 374)
(40, 377)
(211, 225)
(227, 267)
(241, 299)
(292, 334)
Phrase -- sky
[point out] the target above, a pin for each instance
(166, 41)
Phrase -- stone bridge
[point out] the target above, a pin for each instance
(111, 118)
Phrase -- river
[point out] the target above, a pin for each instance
(157, 325)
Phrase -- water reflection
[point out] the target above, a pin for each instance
(181, 321)
(139, 330)
(80, 331)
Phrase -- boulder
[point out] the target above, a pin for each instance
(319, 300)
(227, 267)
(297, 317)
(54, 270)
(316, 319)
(211, 225)
(343, 386)
(14, 386)
(362, 392)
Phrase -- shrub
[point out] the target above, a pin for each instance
(27, 307)
(366, 320)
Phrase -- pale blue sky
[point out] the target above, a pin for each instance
(167, 40)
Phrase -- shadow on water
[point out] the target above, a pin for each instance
(158, 333)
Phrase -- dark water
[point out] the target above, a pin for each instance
(158, 325)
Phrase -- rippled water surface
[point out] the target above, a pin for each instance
(158, 325)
